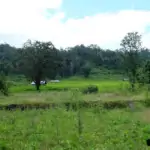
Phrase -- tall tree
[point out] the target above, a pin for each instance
(86, 69)
(38, 60)
(131, 46)
(146, 71)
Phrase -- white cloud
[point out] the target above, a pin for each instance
(23, 19)
(146, 39)
(107, 29)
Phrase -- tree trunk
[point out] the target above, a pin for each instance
(132, 86)
(37, 87)
(37, 83)
(132, 83)
(132, 80)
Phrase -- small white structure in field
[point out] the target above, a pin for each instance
(32, 83)
(54, 81)
(41, 82)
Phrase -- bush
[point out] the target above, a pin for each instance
(3, 84)
(90, 89)
(11, 83)
(147, 102)
(147, 99)
(115, 104)
(141, 77)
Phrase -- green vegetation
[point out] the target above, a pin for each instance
(103, 86)
(90, 89)
(101, 101)
(72, 120)
(131, 44)
(36, 59)
(3, 84)
(67, 96)
(86, 69)
(42, 61)
(58, 129)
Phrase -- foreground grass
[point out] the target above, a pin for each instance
(86, 128)
(58, 129)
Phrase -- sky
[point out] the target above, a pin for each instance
(70, 22)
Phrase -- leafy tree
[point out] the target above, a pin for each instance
(146, 73)
(131, 46)
(141, 77)
(143, 74)
(7, 57)
(86, 69)
(71, 61)
(38, 60)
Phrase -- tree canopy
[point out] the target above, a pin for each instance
(131, 47)
(37, 60)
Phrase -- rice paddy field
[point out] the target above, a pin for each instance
(103, 85)
(113, 118)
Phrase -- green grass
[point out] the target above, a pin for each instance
(58, 129)
(86, 128)
(66, 96)
(104, 86)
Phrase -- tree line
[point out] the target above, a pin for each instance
(37, 60)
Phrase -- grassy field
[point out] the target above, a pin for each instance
(58, 129)
(90, 128)
(103, 85)
(67, 96)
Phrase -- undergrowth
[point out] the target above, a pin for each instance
(84, 129)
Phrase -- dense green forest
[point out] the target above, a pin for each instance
(72, 61)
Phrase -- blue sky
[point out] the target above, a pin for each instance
(70, 22)
(81, 8)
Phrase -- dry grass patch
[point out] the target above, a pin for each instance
(145, 115)
(66, 96)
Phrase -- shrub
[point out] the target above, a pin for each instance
(115, 104)
(90, 89)
(11, 83)
(3, 84)
(86, 69)
(147, 99)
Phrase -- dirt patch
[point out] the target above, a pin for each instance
(145, 115)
